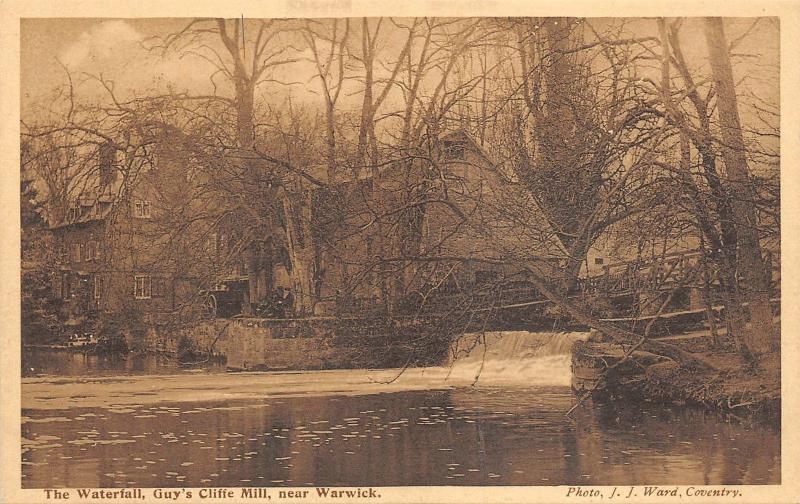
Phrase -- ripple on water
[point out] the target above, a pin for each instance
(85, 441)
(46, 419)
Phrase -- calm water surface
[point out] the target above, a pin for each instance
(458, 435)
(45, 362)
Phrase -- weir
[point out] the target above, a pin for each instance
(514, 358)
(502, 357)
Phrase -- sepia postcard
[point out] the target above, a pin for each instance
(438, 251)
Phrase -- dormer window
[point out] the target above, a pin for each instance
(454, 149)
(150, 162)
(141, 209)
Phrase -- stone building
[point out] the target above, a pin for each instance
(373, 238)
(113, 254)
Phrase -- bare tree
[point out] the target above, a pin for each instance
(246, 62)
(761, 337)
(722, 202)
(587, 130)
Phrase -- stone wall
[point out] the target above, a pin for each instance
(306, 344)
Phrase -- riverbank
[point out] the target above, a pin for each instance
(727, 386)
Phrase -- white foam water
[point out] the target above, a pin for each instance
(514, 358)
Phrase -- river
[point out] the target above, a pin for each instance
(94, 422)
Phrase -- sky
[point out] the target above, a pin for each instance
(111, 47)
(114, 49)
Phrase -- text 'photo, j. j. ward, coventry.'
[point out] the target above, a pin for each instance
(400, 252)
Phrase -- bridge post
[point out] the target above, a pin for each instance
(696, 298)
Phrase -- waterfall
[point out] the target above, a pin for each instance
(513, 358)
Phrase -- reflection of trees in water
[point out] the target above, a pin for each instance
(520, 435)
(73, 363)
(404, 458)
(699, 443)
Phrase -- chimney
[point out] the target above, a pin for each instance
(108, 168)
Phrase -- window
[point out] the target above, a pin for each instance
(141, 209)
(83, 252)
(151, 161)
(75, 252)
(598, 261)
(92, 250)
(66, 288)
(142, 287)
(157, 287)
(211, 244)
(72, 214)
(98, 286)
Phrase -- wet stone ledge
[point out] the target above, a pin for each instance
(296, 344)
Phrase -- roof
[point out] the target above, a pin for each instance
(463, 135)
(319, 171)
(96, 213)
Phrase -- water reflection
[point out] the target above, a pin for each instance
(502, 436)
(41, 362)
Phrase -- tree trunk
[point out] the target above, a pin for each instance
(724, 243)
(381, 244)
(246, 139)
(577, 255)
(330, 140)
(367, 112)
(244, 112)
(761, 338)
(301, 251)
(707, 296)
